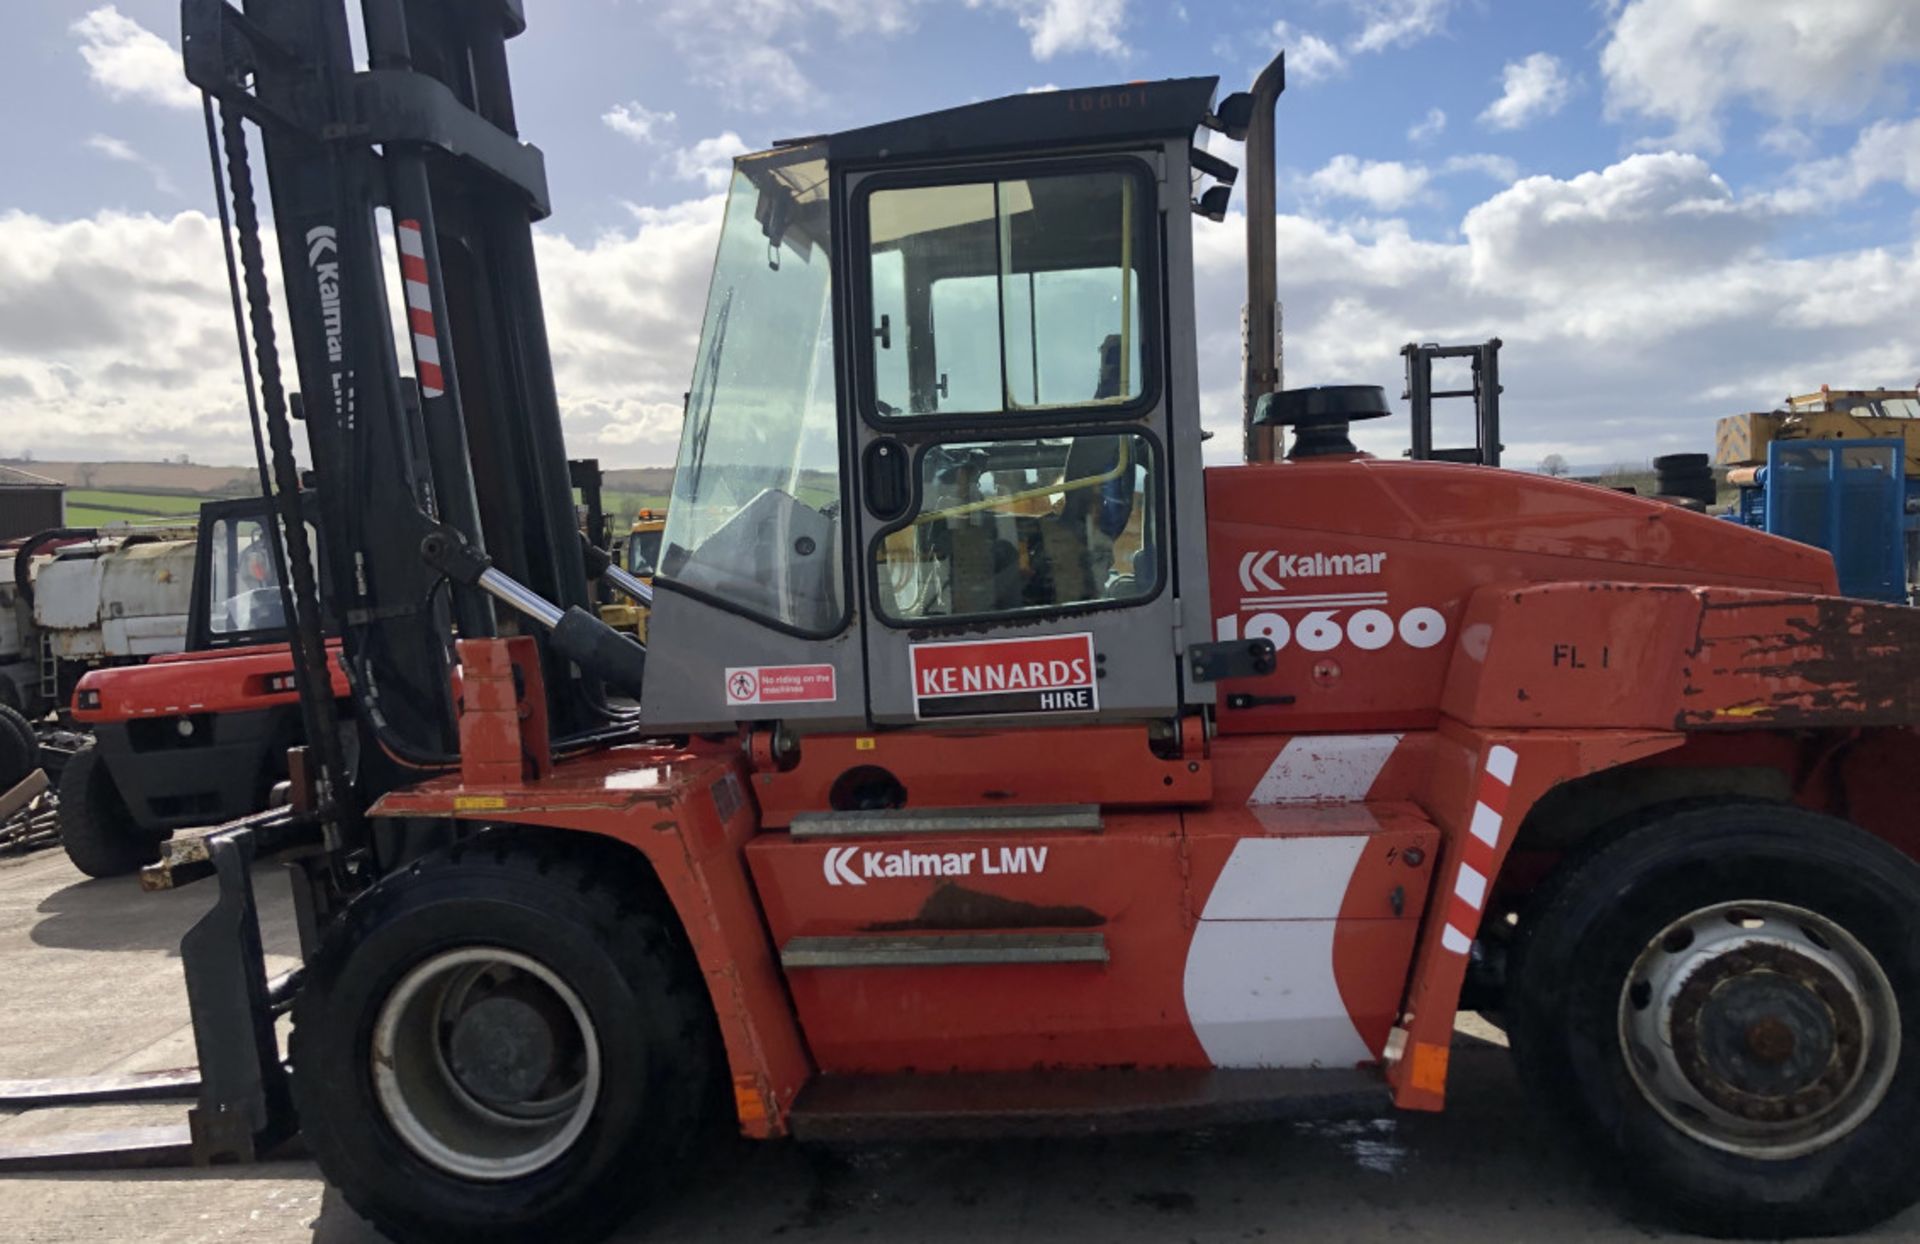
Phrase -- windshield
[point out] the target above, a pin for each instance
(243, 592)
(754, 518)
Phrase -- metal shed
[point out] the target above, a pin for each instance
(29, 503)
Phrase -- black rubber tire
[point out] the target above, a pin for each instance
(1605, 904)
(1679, 462)
(96, 829)
(1704, 489)
(1686, 503)
(19, 748)
(588, 916)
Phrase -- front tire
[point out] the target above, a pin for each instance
(505, 1041)
(19, 747)
(1728, 999)
(96, 830)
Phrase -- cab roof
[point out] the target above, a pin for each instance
(1092, 116)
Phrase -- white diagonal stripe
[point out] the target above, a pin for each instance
(1471, 886)
(1325, 768)
(1501, 762)
(1485, 825)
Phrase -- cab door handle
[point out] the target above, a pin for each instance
(889, 487)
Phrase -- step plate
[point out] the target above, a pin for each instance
(1049, 819)
(943, 950)
(1075, 1103)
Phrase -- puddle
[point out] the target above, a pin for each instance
(1373, 1144)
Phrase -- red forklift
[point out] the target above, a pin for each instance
(1002, 768)
(196, 737)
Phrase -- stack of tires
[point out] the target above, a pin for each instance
(1685, 479)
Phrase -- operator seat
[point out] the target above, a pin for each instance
(1078, 542)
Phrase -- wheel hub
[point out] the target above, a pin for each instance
(1767, 1034)
(502, 1051)
(485, 1063)
(1759, 1028)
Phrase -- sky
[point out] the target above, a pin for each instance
(1668, 210)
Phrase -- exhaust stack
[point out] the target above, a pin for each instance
(1262, 372)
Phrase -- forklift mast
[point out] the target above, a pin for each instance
(415, 144)
(1485, 390)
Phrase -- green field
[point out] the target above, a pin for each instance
(97, 507)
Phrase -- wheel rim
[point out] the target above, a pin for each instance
(486, 1063)
(1759, 1028)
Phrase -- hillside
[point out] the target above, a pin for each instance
(652, 481)
(184, 479)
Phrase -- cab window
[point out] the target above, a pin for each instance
(1010, 526)
(1011, 296)
(243, 591)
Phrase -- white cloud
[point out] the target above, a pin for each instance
(1397, 23)
(1788, 140)
(1309, 57)
(1680, 63)
(1532, 88)
(1886, 152)
(1428, 127)
(1498, 167)
(1390, 185)
(130, 62)
(116, 338)
(636, 121)
(1649, 275)
(122, 152)
(742, 47)
(1649, 218)
(1382, 184)
(1057, 26)
(710, 161)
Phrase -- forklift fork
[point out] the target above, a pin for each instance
(243, 1109)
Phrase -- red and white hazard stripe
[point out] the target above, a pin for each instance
(1471, 882)
(426, 339)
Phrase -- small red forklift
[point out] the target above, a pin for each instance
(999, 767)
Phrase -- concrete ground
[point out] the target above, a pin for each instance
(89, 983)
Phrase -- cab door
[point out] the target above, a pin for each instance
(1008, 389)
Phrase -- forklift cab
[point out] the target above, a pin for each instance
(236, 600)
(943, 411)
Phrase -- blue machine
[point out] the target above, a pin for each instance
(1851, 498)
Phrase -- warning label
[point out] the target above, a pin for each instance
(780, 684)
(990, 677)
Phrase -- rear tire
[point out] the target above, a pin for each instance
(422, 1105)
(1727, 999)
(19, 748)
(96, 829)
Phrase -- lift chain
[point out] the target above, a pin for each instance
(292, 554)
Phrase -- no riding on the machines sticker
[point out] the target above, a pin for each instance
(992, 677)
